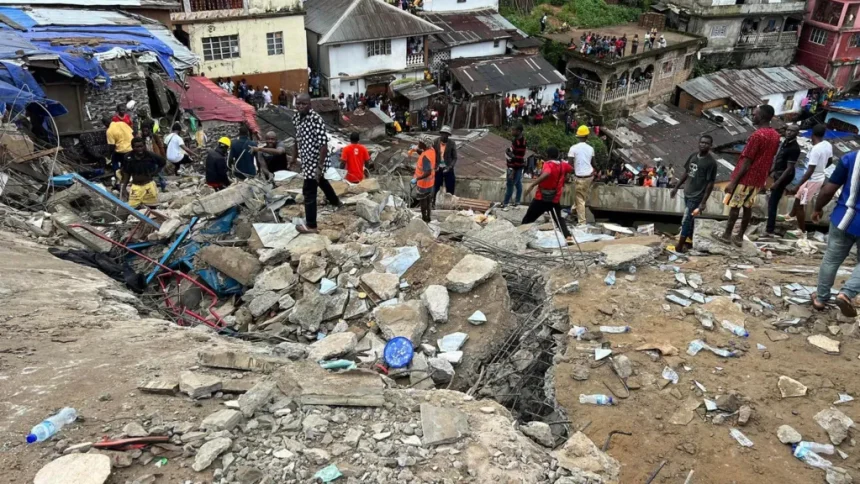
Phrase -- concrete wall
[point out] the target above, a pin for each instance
(481, 49)
(353, 60)
(689, 103)
(103, 102)
(778, 101)
(455, 5)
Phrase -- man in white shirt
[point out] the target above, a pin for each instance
(814, 177)
(267, 96)
(580, 156)
(177, 152)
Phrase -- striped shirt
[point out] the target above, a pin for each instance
(847, 175)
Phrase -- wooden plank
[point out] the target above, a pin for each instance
(38, 154)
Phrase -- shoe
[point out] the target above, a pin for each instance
(505, 208)
(304, 229)
(846, 306)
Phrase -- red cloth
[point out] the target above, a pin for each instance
(761, 148)
(210, 102)
(354, 156)
(555, 181)
(125, 119)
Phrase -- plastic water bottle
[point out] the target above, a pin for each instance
(52, 425)
(735, 329)
(817, 448)
(596, 399)
(811, 458)
(610, 278)
(615, 329)
(695, 347)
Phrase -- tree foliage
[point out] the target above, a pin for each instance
(576, 13)
(541, 136)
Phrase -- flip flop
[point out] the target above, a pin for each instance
(845, 306)
(816, 304)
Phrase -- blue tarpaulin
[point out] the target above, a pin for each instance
(18, 88)
(829, 134)
(847, 104)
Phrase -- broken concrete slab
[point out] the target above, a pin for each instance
(134, 429)
(823, 343)
(290, 350)
(226, 419)
(233, 262)
(160, 386)
(775, 336)
(435, 298)
(502, 234)
(309, 310)
(622, 257)
(219, 202)
(261, 304)
(167, 229)
(332, 346)
(240, 360)
(789, 387)
(312, 267)
(276, 279)
(272, 236)
(419, 377)
(407, 319)
(256, 397)
(459, 224)
(442, 425)
(210, 451)
(308, 384)
(383, 284)
(64, 218)
(540, 432)
(441, 370)
(370, 348)
(368, 210)
(76, 468)
(835, 423)
(580, 453)
(335, 304)
(198, 385)
(307, 244)
(355, 307)
(470, 272)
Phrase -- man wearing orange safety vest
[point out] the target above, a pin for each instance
(425, 176)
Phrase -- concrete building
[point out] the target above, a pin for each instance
(361, 46)
(631, 81)
(262, 41)
(830, 41)
(740, 33)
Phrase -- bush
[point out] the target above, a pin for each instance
(576, 13)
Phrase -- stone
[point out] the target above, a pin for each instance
(440, 369)
(452, 342)
(168, 228)
(837, 475)
(198, 385)
(775, 336)
(370, 348)
(477, 318)
(356, 307)
(208, 452)
(134, 429)
(248, 475)
(419, 377)
(540, 432)
(256, 397)
(353, 200)
(442, 425)
(226, 419)
(240, 360)
(825, 344)
(729, 402)
(382, 284)
(307, 244)
(335, 305)
(83, 447)
(459, 224)
(787, 435)
(789, 387)
(311, 267)
(622, 257)
(453, 357)
(470, 272)
(353, 435)
(744, 415)
(835, 423)
(332, 346)
(309, 310)
(232, 261)
(622, 366)
(261, 304)
(580, 453)
(407, 319)
(286, 302)
(435, 298)
(276, 278)
(797, 311)
(76, 468)
(368, 185)
(415, 233)
(413, 440)
(290, 350)
(218, 202)
(368, 210)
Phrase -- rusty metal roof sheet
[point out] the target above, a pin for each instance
(343, 21)
(506, 74)
(470, 27)
(747, 87)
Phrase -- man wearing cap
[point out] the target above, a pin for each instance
(580, 156)
(425, 175)
(216, 165)
(446, 154)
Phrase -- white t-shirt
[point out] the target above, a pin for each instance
(267, 96)
(819, 155)
(174, 144)
(582, 153)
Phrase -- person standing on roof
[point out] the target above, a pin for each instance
(424, 178)
(311, 148)
(516, 163)
(550, 184)
(242, 157)
(446, 156)
(701, 170)
(217, 173)
(354, 156)
(580, 157)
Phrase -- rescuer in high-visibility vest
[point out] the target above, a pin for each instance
(425, 176)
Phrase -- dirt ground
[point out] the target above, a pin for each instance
(701, 445)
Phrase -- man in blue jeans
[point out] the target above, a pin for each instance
(701, 170)
(844, 233)
(516, 163)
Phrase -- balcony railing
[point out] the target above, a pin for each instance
(414, 60)
(207, 5)
(766, 39)
(619, 93)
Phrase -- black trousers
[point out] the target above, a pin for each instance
(309, 191)
(447, 178)
(776, 193)
(540, 207)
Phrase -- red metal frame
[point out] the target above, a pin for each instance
(178, 310)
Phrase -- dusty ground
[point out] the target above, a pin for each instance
(702, 445)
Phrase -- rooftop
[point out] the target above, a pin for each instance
(167, 4)
(746, 87)
(342, 21)
(500, 75)
(470, 27)
(211, 103)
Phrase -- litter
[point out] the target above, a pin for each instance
(328, 473)
(610, 279)
(698, 345)
(614, 329)
(601, 353)
(671, 375)
(452, 342)
(478, 318)
(741, 438)
(398, 352)
(734, 329)
(577, 332)
(710, 405)
(844, 398)
(679, 301)
(700, 386)
(728, 289)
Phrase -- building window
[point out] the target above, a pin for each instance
(378, 47)
(223, 47)
(718, 31)
(688, 61)
(854, 41)
(667, 69)
(275, 43)
(496, 43)
(789, 105)
(818, 36)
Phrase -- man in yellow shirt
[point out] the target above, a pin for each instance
(119, 136)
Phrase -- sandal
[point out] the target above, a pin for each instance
(816, 304)
(845, 306)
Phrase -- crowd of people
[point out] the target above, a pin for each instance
(603, 46)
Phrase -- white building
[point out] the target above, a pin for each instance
(459, 5)
(361, 46)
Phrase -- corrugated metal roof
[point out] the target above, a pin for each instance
(342, 21)
(506, 74)
(76, 3)
(71, 16)
(415, 92)
(469, 27)
(747, 87)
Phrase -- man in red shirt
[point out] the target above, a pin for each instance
(354, 156)
(550, 185)
(750, 174)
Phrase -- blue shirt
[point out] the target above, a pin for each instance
(847, 174)
(243, 157)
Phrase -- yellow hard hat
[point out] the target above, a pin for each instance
(225, 141)
(582, 131)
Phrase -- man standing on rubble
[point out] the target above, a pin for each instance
(354, 156)
(273, 154)
(750, 174)
(311, 149)
(844, 234)
(446, 156)
(701, 170)
(140, 167)
(425, 175)
(516, 155)
(177, 152)
(550, 184)
(812, 180)
(783, 173)
(217, 174)
(119, 138)
(580, 156)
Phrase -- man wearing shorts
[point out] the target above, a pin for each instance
(140, 168)
(814, 177)
(750, 174)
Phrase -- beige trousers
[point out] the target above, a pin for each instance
(582, 187)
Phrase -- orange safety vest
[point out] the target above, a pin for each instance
(426, 183)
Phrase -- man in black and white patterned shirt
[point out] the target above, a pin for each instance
(311, 148)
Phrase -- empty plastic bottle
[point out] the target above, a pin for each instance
(52, 425)
(596, 399)
(817, 448)
(610, 278)
(811, 458)
(735, 329)
(615, 329)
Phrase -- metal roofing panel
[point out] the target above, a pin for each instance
(182, 58)
(506, 74)
(76, 3)
(70, 16)
(747, 87)
(470, 27)
(362, 20)
(320, 19)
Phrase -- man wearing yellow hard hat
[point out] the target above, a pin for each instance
(216, 165)
(580, 156)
